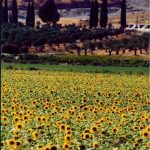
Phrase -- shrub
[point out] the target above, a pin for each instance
(23, 49)
(10, 67)
(10, 49)
(81, 60)
(33, 68)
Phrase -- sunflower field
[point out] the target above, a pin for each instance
(50, 110)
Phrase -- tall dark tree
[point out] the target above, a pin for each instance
(28, 14)
(49, 13)
(14, 12)
(30, 18)
(1, 12)
(1, 21)
(94, 14)
(5, 12)
(10, 17)
(32, 14)
(91, 23)
(104, 14)
(123, 14)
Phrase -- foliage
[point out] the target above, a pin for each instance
(5, 12)
(76, 68)
(73, 35)
(123, 14)
(48, 12)
(10, 48)
(32, 14)
(30, 18)
(82, 60)
(11, 34)
(14, 12)
(104, 14)
(94, 14)
(28, 14)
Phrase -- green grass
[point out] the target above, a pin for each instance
(77, 68)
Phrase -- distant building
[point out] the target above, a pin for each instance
(84, 22)
(139, 27)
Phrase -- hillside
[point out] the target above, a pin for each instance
(65, 4)
(135, 8)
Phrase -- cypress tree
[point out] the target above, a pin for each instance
(49, 13)
(91, 22)
(30, 18)
(94, 14)
(10, 17)
(32, 14)
(104, 14)
(28, 15)
(1, 21)
(5, 12)
(123, 14)
(1, 12)
(14, 12)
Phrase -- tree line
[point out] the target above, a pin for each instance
(21, 37)
(73, 37)
(10, 15)
(50, 15)
(103, 21)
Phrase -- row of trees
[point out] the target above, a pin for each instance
(49, 13)
(11, 15)
(134, 43)
(68, 34)
(72, 37)
(104, 14)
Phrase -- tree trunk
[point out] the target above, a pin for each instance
(110, 52)
(140, 51)
(78, 51)
(49, 24)
(123, 51)
(117, 52)
(85, 51)
(146, 50)
(64, 44)
(54, 24)
(135, 52)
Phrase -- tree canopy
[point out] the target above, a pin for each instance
(49, 13)
(30, 18)
(93, 21)
(14, 12)
(104, 14)
(123, 14)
